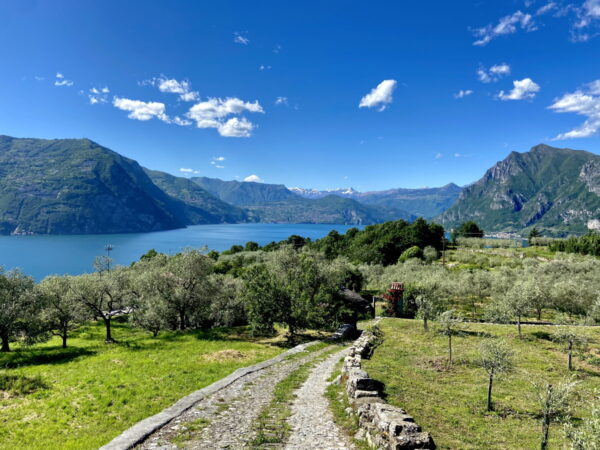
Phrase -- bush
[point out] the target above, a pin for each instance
(411, 252)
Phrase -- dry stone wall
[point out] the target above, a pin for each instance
(384, 426)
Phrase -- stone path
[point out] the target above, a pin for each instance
(226, 420)
(311, 420)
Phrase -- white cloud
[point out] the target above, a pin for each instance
(172, 86)
(281, 101)
(506, 25)
(187, 170)
(263, 67)
(254, 178)
(546, 8)
(219, 167)
(494, 73)
(213, 112)
(96, 95)
(379, 96)
(62, 81)
(140, 110)
(218, 158)
(236, 127)
(523, 89)
(589, 11)
(38, 78)
(461, 93)
(179, 121)
(585, 103)
(239, 38)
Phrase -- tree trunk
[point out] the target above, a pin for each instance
(109, 338)
(182, 320)
(291, 333)
(489, 395)
(450, 349)
(570, 355)
(539, 314)
(64, 339)
(5, 346)
(546, 422)
(425, 323)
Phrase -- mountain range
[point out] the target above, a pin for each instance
(76, 186)
(556, 190)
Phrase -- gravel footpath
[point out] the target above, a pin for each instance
(311, 420)
(225, 420)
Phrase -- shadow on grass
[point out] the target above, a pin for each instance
(52, 355)
(544, 335)
(18, 385)
(480, 334)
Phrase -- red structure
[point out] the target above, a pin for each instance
(394, 298)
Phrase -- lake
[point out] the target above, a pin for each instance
(39, 256)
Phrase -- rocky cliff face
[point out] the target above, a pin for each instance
(557, 190)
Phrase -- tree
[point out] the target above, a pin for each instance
(517, 302)
(554, 402)
(496, 358)
(587, 435)
(105, 295)
(571, 339)
(62, 313)
(411, 252)
(449, 323)
(428, 299)
(468, 229)
(533, 234)
(430, 254)
(297, 289)
(183, 282)
(18, 307)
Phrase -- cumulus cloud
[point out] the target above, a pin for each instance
(550, 6)
(96, 95)
(461, 93)
(140, 110)
(584, 102)
(254, 178)
(218, 158)
(281, 101)
(523, 89)
(172, 86)
(493, 73)
(213, 113)
(506, 25)
(380, 96)
(239, 38)
(62, 81)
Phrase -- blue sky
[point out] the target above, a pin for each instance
(274, 89)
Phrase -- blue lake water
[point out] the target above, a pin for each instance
(39, 256)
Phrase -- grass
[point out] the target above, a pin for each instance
(271, 424)
(338, 404)
(189, 430)
(83, 396)
(450, 402)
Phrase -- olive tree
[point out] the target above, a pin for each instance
(428, 298)
(183, 282)
(571, 340)
(449, 323)
(554, 403)
(62, 312)
(104, 295)
(18, 307)
(296, 288)
(496, 358)
(586, 436)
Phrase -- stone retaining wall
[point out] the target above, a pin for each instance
(383, 425)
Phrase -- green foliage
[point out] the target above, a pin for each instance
(381, 244)
(584, 245)
(411, 252)
(586, 436)
(19, 308)
(468, 229)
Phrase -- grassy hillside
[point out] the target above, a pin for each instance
(451, 402)
(75, 186)
(83, 396)
(202, 207)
